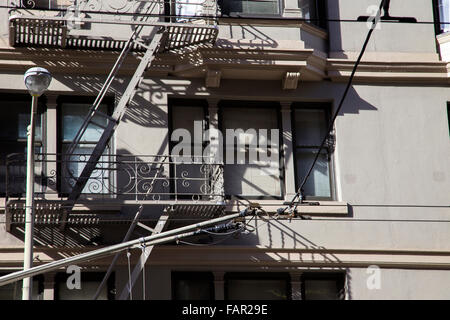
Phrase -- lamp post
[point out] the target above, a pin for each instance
(37, 81)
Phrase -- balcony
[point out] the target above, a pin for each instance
(108, 24)
(185, 186)
(158, 178)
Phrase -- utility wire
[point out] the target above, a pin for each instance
(299, 194)
(223, 16)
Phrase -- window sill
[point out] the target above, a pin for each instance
(310, 208)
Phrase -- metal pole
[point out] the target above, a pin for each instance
(29, 204)
(102, 252)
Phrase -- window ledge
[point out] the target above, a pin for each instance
(310, 208)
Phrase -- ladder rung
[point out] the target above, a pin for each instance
(141, 44)
(104, 115)
(97, 124)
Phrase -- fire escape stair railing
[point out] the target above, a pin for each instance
(53, 32)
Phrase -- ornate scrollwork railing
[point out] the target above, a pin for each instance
(155, 177)
(185, 8)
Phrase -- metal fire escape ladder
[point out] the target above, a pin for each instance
(147, 250)
(133, 224)
(108, 132)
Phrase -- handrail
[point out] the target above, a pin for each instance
(131, 176)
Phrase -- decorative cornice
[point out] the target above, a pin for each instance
(405, 72)
(231, 257)
(312, 65)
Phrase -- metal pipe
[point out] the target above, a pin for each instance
(96, 254)
(29, 204)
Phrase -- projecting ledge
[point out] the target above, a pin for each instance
(310, 208)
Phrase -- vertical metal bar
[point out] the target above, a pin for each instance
(29, 204)
(135, 179)
(175, 179)
(143, 259)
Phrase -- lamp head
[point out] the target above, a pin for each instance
(37, 80)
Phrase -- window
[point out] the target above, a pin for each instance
(448, 115)
(323, 286)
(72, 113)
(192, 286)
(257, 286)
(442, 15)
(187, 118)
(14, 122)
(310, 127)
(252, 159)
(13, 291)
(250, 7)
(314, 11)
(90, 281)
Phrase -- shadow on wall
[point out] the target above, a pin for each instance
(315, 258)
(249, 37)
(334, 29)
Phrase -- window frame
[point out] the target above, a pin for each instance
(184, 102)
(258, 276)
(252, 15)
(326, 107)
(254, 104)
(108, 100)
(339, 277)
(192, 275)
(38, 278)
(42, 111)
(437, 18)
(448, 116)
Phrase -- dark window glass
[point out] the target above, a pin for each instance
(448, 115)
(316, 286)
(13, 291)
(188, 117)
(14, 122)
(90, 281)
(257, 286)
(192, 286)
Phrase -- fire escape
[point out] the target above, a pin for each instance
(188, 188)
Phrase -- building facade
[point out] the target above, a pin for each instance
(375, 220)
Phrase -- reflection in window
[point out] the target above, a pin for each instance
(310, 129)
(444, 15)
(73, 115)
(244, 175)
(249, 7)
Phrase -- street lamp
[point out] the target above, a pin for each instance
(37, 81)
